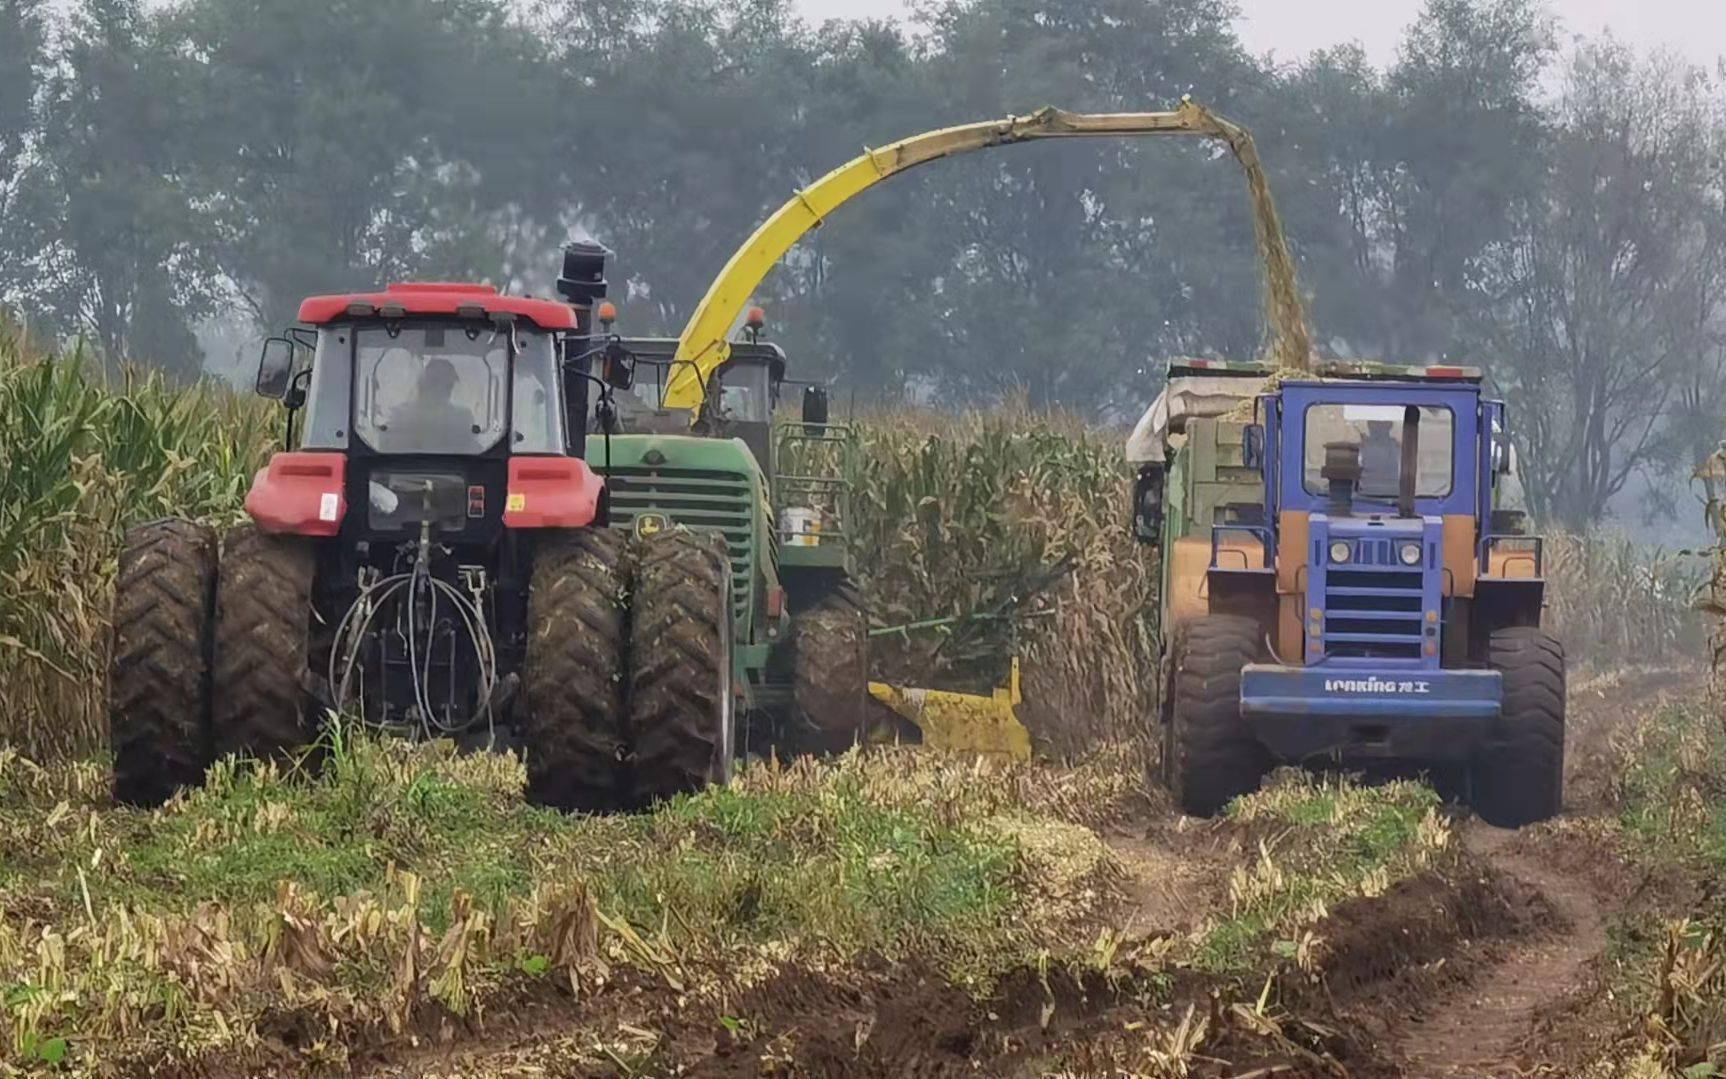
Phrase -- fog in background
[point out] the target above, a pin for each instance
(1497, 182)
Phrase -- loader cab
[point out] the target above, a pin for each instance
(1338, 587)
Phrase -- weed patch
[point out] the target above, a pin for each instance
(406, 877)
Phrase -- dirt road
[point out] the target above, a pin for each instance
(1502, 1021)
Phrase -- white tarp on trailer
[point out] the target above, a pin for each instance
(1184, 398)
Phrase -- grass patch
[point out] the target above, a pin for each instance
(1320, 840)
(1670, 810)
(1670, 790)
(405, 877)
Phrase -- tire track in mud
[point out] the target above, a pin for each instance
(1481, 1027)
(1491, 1024)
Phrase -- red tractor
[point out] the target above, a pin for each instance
(430, 554)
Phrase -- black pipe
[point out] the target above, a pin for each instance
(1410, 461)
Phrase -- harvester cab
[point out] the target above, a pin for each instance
(1345, 580)
(431, 557)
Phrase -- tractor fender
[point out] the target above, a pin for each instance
(552, 492)
(300, 494)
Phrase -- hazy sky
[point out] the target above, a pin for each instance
(1292, 28)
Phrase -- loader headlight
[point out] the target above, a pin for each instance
(1339, 551)
(1410, 554)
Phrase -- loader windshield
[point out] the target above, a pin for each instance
(1379, 431)
(430, 389)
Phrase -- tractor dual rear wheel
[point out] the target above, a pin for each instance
(158, 683)
(572, 676)
(1519, 777)
(682, 705)
(1210, 757)
(260, 706)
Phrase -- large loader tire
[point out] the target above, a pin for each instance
(259, 703)
(682, 711)
(830, 684)
(1209, 755)
(572, 676)
(159, 678)
(1519, 777)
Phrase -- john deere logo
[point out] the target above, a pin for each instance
(649, 524)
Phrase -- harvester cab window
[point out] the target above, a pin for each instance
(1379, 431)
(744, 393)
(430, 389)
(536, 413)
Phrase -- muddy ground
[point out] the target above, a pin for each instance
(1499, 967)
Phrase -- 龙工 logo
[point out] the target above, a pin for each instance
(1374, 684)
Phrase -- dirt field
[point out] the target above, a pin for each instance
(1037, 921)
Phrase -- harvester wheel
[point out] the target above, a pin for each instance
(830, 687)
(159, 681)
(259, 703)
(572, 676)
(1209, 755)
(682, 711)
(1519, 778)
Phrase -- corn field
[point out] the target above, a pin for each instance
(1615, 603)
(1016, 526)
(82, 457)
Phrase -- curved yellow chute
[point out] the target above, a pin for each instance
(703, 345)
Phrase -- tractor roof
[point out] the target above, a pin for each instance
(432, 298)
(1345, 370)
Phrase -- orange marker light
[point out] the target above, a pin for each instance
(756, 318)
(607, 312)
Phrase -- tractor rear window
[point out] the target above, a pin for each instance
(1379, 432)
(430, 389)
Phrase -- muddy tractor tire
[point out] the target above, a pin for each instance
(572, 676)
(830, 683)
(682, 710)
(1210, 757)
(260, 706)
(159, 677)
(1518, 779)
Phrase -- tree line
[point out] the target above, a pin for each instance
(1550, 208)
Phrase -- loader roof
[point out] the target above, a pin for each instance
(1372, 370)
(403, 300)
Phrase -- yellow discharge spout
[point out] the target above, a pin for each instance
(704, 345)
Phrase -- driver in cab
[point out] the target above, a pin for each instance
(1380, 459)
(432, 416)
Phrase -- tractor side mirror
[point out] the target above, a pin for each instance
(1148, 504)
(1253, 446)
(276, 368)
(814, 404)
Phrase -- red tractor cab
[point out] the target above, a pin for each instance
(394, 381)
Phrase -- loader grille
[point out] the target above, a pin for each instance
(713, 501)
(1373, 605)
